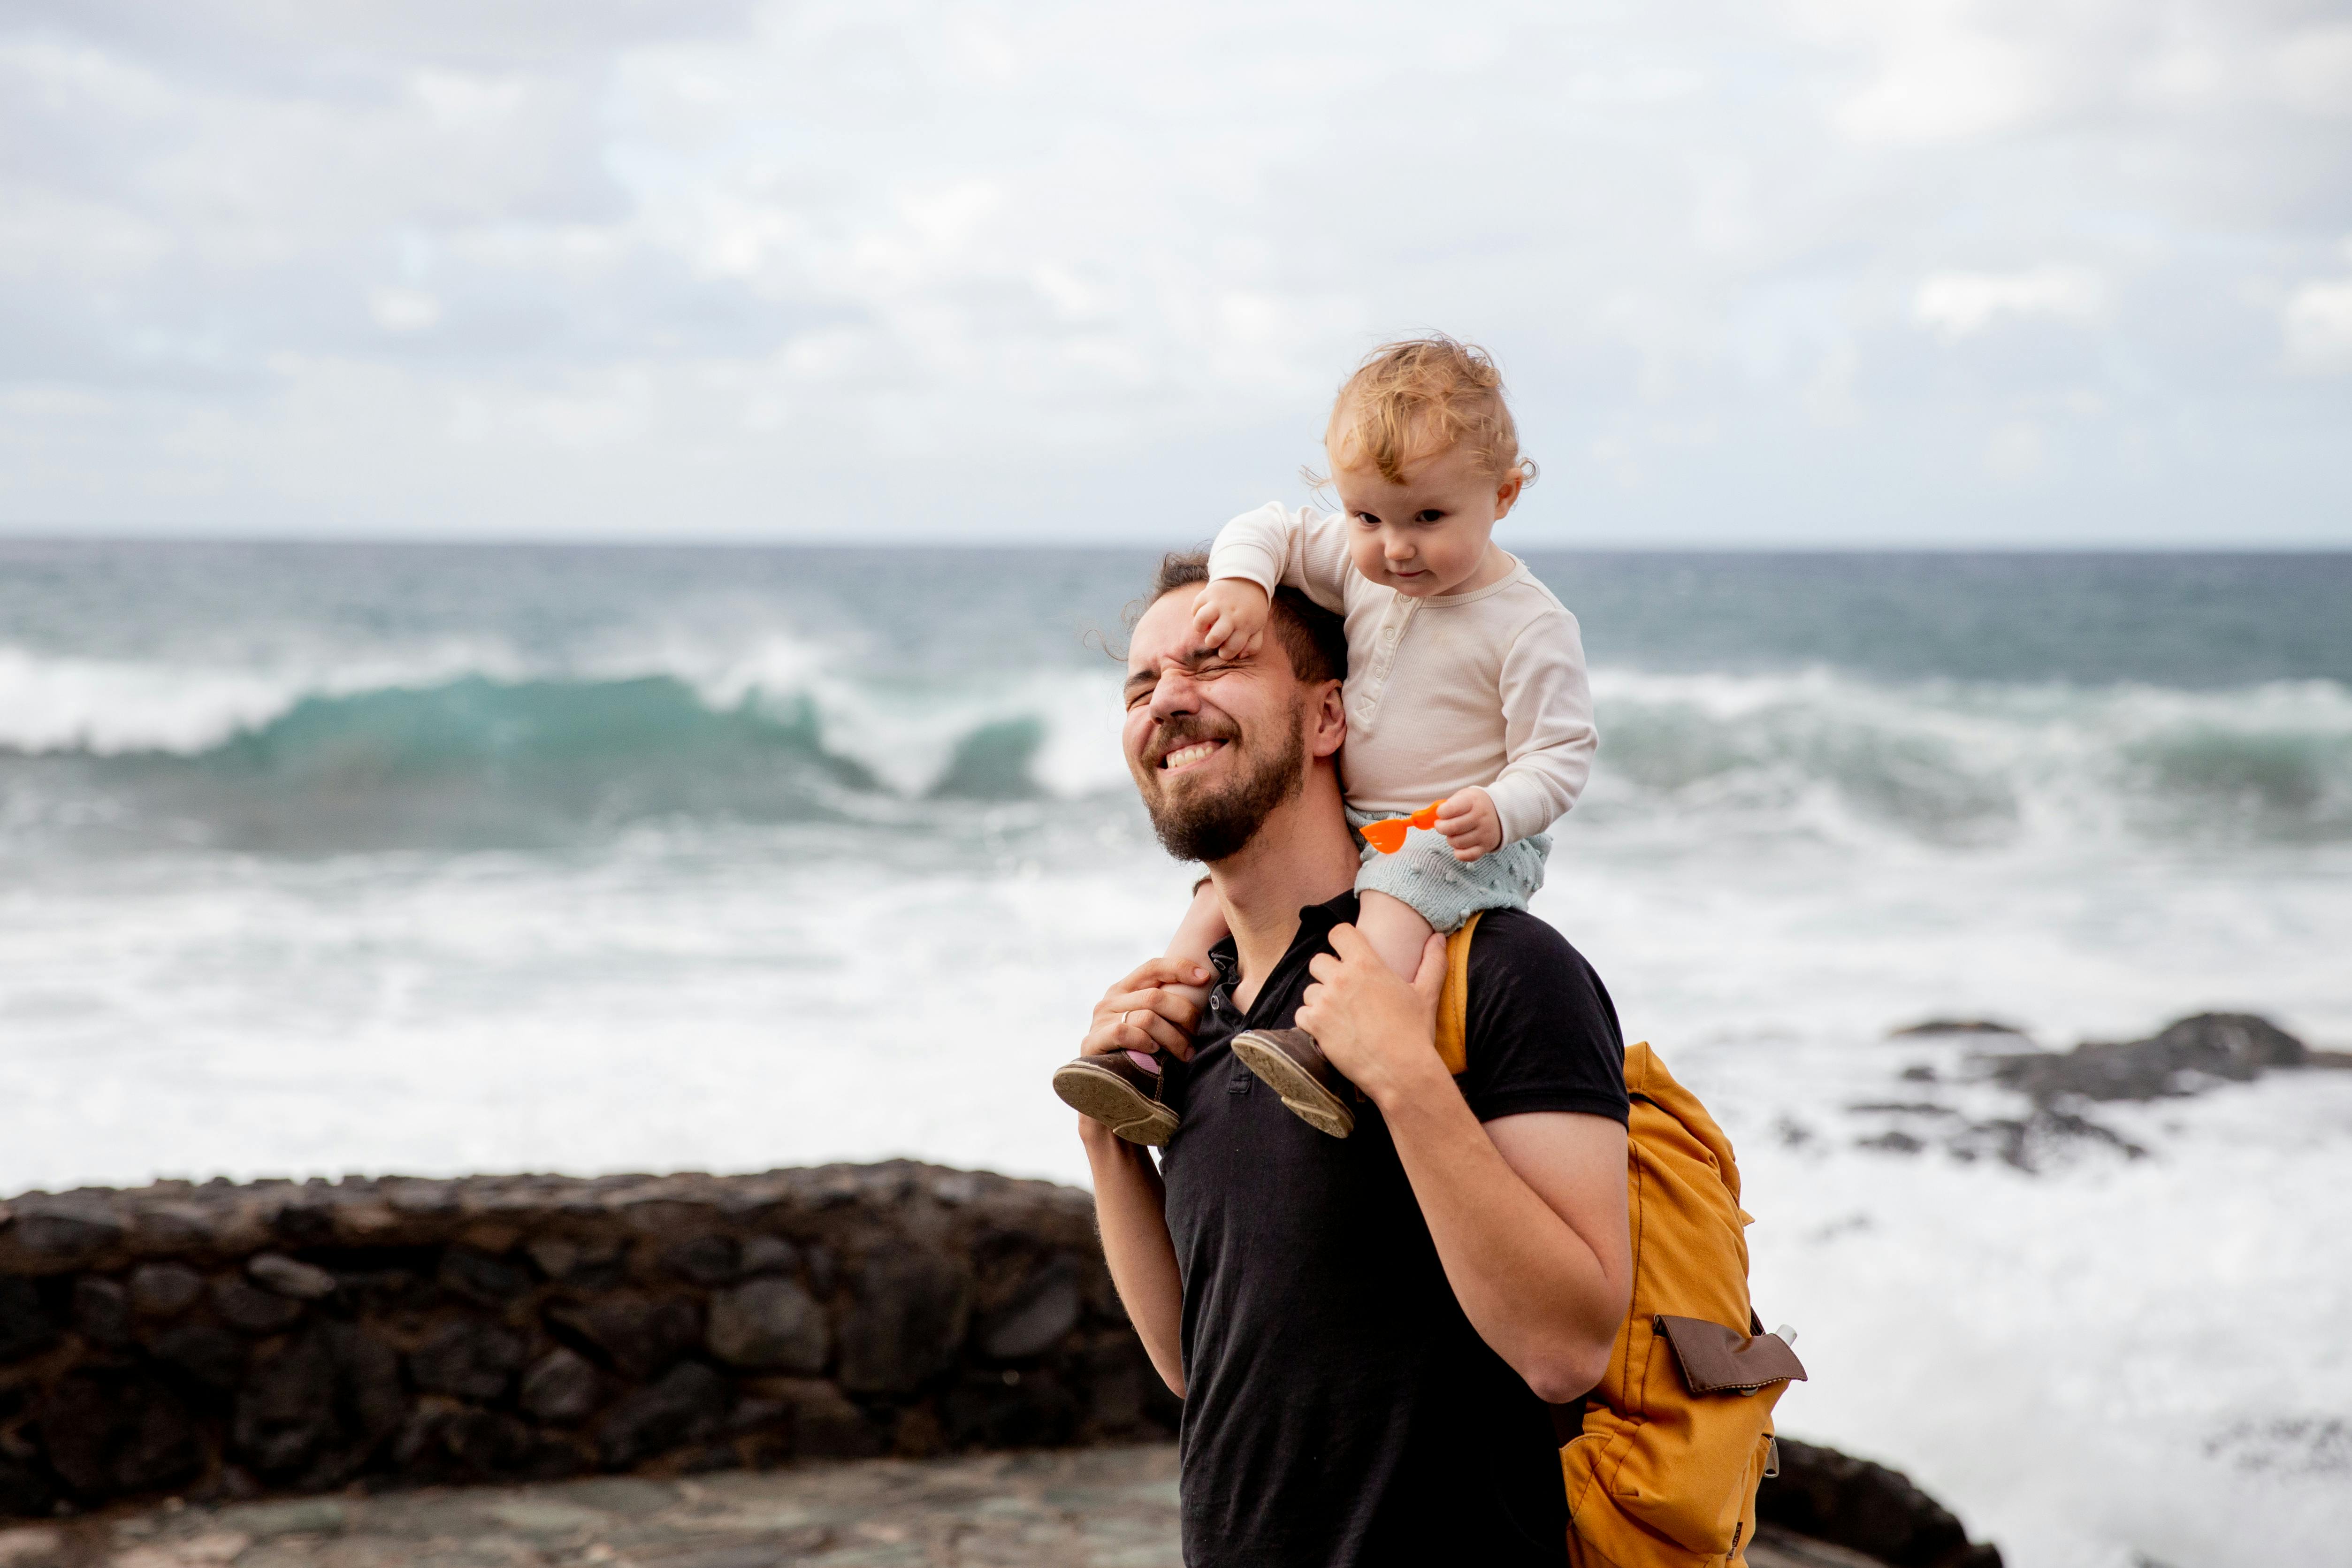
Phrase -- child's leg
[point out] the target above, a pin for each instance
(1395, 929)
(1203, 927)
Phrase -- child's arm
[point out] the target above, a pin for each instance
(1548, 729)
(1273, 548)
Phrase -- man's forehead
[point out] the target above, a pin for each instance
(1164, 632)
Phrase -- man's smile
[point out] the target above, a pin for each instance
(1187, 755)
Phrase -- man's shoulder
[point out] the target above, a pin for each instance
(1542, 1034)
(1512, 944)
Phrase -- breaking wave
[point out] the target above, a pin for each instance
(500, 754)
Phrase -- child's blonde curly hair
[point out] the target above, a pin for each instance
(1419, 396)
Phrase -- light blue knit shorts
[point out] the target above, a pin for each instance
(1442, 890)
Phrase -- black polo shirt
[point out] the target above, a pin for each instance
(1339, 1409)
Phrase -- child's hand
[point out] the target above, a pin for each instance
(1471, 823)
(1230, 617)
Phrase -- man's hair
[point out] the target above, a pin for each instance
(1415, 398)
(1313, 639)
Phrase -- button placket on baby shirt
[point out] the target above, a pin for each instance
(1394, 621)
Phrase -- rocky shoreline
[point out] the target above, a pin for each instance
(200, 1347)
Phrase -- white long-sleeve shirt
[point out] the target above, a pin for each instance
(1484, 688)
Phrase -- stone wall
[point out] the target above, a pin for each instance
(219, 1340)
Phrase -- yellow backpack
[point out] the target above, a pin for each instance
(1679, 1432)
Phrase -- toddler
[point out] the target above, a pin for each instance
(1465, 677)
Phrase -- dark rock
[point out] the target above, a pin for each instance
(772, 1324)
(165, 1290)
(456, 1444)
(25, 1327)
(286, 1276)
(1865, 1507)
(706, 1259)
(908, 1321)
(311, 1416)
(23, 1492)
(210, 1357)
(770, 1255)
(561, 1388)
(687, 1404)
(472, 1360)
(1038, 1316)
(485, 1280)
(108, 1437)
(580, 1264)
(1008, 1410)
(66, 1231)
(255, 1311)
(1955, 1027)
(101, 1311)
(641, 1335)
(823, 1274)
(2232, 1047)
(824, 1425)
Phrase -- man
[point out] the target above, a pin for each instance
(1365, 1332)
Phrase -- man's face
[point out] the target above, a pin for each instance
(1215, 744)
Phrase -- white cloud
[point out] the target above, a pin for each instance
(2317, 323)
(1090, 271)
(1961, 304)
(403, 309)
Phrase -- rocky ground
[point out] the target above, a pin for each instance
(1098, 1508)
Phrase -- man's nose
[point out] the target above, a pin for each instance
(1176, 693)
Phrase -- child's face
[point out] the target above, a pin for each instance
(1431, 533)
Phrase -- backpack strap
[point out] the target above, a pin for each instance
(1454, 1002)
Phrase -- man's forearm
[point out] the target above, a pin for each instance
(1131, 1213)
(1536, 1289)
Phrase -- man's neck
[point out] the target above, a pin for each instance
(1301, 855)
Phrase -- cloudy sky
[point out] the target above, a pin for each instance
(1763, 272)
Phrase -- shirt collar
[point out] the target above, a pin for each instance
(1315, 923)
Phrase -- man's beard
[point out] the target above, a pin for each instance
(1199, 825)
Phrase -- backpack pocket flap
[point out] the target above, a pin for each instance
(1717, 1360)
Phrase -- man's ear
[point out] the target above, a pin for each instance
(1327, 728)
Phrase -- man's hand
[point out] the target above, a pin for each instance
(1378, 1029)
(1230, 615)
(1471, 823)
(1140, 1014)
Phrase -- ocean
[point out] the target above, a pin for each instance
(324, 859)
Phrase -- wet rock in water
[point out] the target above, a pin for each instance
(165, 1290)
(641, 1334)
(2229, 1047)
(26, 1326)
(472, 1360)
(257, 1312)
(289, 1278)
(911, 1311)
(688, 1404)
(770, 1325)
(1955, 1026)
(106, 1436)
(1827, 1496)
(561, 1387)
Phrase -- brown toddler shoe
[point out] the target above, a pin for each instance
(1295, 1068)
(1119, 1091)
